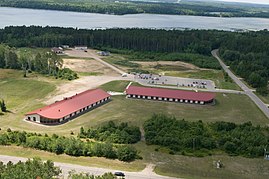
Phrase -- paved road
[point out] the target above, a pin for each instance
(244, 87)
(145, 174)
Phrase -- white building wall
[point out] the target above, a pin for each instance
(32, 116)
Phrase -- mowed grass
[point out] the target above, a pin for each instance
(25, 94)
(229, 107)
(21, 95)
(85, 161)
(117, 85)
(203, 167)
(19, 92)
(215, 75)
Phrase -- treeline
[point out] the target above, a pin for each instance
(34, 168)
(44, 62)
(110, 132)
(248, 56)
(192, 41)
(247, 53)
(134, 7)
(202, 61)
(198, 138)
(70, 146)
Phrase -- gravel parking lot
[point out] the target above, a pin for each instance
(174, 81)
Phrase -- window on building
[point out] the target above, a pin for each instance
(34, 118)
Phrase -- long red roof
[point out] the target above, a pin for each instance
(72, 104)
(170, 93)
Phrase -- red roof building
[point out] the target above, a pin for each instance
(68, 108)
(171, 95)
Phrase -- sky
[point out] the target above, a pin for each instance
(249, 1)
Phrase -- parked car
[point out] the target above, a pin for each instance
(124, 75)
(119, 174)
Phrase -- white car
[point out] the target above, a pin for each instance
(124, 75)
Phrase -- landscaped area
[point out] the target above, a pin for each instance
(25, 94)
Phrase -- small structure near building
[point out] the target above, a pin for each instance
(69, 108)
(57, 50)
(104, 53)
(81, 47)
(65, 46)
(161, 94)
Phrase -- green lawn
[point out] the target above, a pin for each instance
(25, 94)
(118, 86)
(229, 107)
(89, 73)
(203, 167)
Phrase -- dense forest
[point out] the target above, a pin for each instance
(110, 132)
(199, 139)
(133, 7)
(70, 146)
(247, 53)
(34, 168)
(44, 63)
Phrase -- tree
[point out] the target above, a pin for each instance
(3, 106)
(11, 59)
(256, 80)
(126, 153)
(2, 56)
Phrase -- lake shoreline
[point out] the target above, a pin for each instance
(24, 16)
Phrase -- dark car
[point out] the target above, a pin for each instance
(120, 174)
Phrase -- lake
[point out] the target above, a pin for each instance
(18, 16)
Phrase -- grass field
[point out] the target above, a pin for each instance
(229, 107)
(25, 94)
(118, 86)
(203, 167)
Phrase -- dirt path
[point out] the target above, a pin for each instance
(187, 66)
(92, 54)
(70, 88)
(88, 66)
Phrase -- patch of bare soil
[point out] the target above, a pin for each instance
(77, 86)
(80, 65)
(184, 65)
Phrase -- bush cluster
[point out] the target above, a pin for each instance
(110, 132)
(70, 146)
(194, 137)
